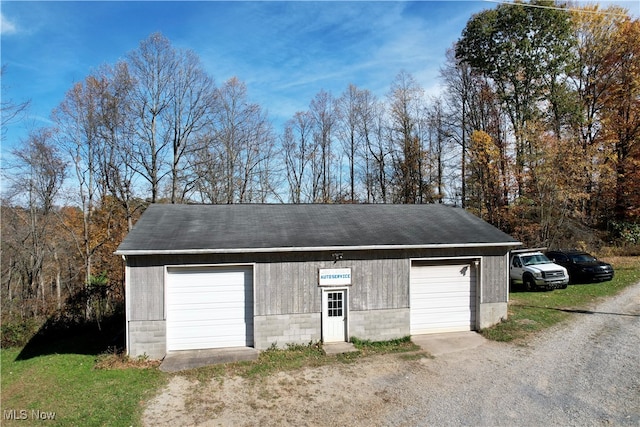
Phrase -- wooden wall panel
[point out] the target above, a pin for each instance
(146, 293)
(287, 283)
(292, 287)
(494, 279)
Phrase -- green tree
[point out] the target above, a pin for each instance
(522, 48)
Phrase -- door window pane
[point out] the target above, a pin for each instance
(334, 301)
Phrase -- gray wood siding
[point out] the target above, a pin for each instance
(287, 288)
(495, 287)
(380, 284)
(146, 293)
(292, 287)
(287, 283)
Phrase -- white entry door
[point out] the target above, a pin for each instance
(334, 315)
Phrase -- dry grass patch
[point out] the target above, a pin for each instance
(122, 361)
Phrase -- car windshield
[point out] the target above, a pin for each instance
(582, 258)
(535, 259)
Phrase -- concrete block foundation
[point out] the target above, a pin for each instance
(147, 338)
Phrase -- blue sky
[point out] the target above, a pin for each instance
(286, 52)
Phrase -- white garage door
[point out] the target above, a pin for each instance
(442, 298)
(209, 307)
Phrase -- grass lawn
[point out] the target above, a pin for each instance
(69, 389)
(533, 311)
(61, 378)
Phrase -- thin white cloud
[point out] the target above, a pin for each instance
(7, 27)
(366, 46)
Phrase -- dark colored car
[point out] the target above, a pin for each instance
(582, 267)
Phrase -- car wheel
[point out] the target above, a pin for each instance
(529, 284)
(563, 286)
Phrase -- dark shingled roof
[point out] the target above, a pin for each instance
(280, 227)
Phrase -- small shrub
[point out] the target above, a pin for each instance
(17, 333)
(627, 232)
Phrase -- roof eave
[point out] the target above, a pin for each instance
(312, 249)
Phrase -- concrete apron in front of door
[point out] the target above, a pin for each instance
(332, 348)
(448, 342)
(176, 361)
(435, 344)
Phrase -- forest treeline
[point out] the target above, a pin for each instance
(537, 130)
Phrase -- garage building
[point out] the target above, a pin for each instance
(220, 276)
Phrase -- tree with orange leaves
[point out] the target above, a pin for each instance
(621, 117)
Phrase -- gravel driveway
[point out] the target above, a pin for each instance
(583, 373)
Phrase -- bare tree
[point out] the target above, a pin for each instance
(10, 111)
(37, 177)
(152, 67)
(191, 89)
(234, 149)
(322, 109)
(405, 99)
(297, 144)
(116, 132)
(373, 129)
(438, 147)
(257, 150)
(207, 166)
(348, 108)
(459, 84)
(78, 121)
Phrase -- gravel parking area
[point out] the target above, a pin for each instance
(582, 373)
